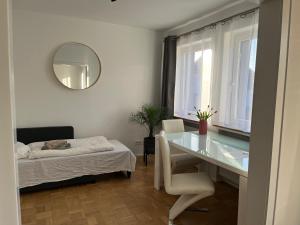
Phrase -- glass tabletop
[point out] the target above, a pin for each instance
(227, 152)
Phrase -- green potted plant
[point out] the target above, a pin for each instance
(203, 116)
(149, 116)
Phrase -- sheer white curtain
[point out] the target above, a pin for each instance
(193, 72)
(234, 71)
(216, 66)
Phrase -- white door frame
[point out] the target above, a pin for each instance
(280, 104)
(286, 193)
(9, 197)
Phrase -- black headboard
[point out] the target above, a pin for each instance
(36, 134)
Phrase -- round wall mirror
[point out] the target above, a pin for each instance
(76, 66)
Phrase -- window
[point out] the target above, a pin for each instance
(216, 66)
(193, 78)
(236, 80)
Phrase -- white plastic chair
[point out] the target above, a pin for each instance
(179, 159)
(191, 186)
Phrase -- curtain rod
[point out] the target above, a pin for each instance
(220, 21)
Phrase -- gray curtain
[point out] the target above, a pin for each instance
(169, 74)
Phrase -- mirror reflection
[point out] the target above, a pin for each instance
(76, 66)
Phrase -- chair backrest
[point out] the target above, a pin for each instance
(173, 126)
(166, 159)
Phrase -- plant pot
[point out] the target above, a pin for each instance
(149, 145)
(203, 127)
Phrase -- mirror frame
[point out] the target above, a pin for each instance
(98, 59)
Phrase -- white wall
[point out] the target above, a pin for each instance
(9, 207)
(130, 77)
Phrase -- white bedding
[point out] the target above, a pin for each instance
(79, 147)
(37, 171)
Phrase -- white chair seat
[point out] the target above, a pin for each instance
(191, 183)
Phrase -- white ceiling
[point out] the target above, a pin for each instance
(151, 14)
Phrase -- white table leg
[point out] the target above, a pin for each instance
(242, 200)
(213, 172)
(158, 174)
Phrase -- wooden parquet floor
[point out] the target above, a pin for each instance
(116, 200)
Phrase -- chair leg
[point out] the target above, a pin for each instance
(204, 210)
(171, 222)
(183, 202)
(173, 166)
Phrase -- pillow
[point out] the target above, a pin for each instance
(21, 150)
(19, 145)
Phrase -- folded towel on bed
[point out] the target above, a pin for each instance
(79, 147)
(56, 144)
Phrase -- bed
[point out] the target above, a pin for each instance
(45, 173)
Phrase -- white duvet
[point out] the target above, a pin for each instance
(78, 147)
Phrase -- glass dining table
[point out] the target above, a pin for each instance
(222, 151)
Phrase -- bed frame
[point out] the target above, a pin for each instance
(37, 134)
